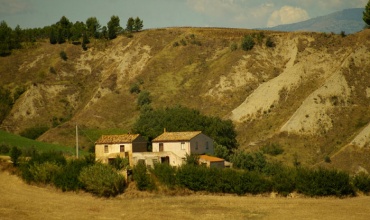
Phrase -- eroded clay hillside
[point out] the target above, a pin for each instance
(310, 93)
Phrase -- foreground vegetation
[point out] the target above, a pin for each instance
(52, 168)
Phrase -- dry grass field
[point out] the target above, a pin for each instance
(21, 201)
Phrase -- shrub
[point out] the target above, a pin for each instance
(141, 177)
(252, 182)
(42, 167)
(119, 163)
(63, 55)
(34, 132)
(192, 177)
(15, 153)
(143, 99)
(192, 159)
(362, 182)
(165, 174)
(102, 180)
(135, 88)
(49, 156)
(247, 43)
(272, 149)
(221, 151)
(176, 44)
(233, 46)
(323, 182)
(327, 159)
(44, 173)
(269, 42)
(4, 149)
(68, 176)
(283, 181)
(343, 34)
(249, 161)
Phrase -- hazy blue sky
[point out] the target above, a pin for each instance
(166, 13)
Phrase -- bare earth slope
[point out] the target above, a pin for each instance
(310, 93)
(21, 201)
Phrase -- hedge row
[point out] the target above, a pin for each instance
(283, 180)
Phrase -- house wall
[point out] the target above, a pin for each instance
(174, 147)
(151, 157)
(190, 147)
(217, 164)
(201, 140)
(113, 151)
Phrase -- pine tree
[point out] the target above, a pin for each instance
(138, 24)
(5, 39)
(130, 24)
(53, 37)
(366, 14)
(93, 27)
(113, 27)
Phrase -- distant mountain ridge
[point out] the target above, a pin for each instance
(349, 20)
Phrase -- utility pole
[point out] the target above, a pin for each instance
(76, 141)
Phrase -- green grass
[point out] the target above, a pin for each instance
(24, 143)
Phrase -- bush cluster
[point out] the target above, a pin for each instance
(34, 132)
(272, 178)
(142, 177)
(72, 175)
(102, 180)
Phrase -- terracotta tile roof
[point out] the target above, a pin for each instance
(115, 139)
(177, 136)
(210, 158)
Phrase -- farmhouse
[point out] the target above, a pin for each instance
(108, 147)
(176, 145)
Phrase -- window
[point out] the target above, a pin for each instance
(106, 149)
(122, 148)
(182, 145)
(207, 145)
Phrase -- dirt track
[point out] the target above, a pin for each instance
(21, 201)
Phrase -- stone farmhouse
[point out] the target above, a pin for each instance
(169, 147)
(108, 147)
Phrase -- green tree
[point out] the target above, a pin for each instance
(247, 43)
(130, 24)
(77, 30)
(15, 153)
(143, 99)
(65, 27)
(53, 36)
(113, 27)
(366, 14)
(5, 39)
(93, 27)
(138, 24)
(17, 38)
(151, 124)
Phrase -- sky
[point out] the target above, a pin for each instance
(171, 13)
